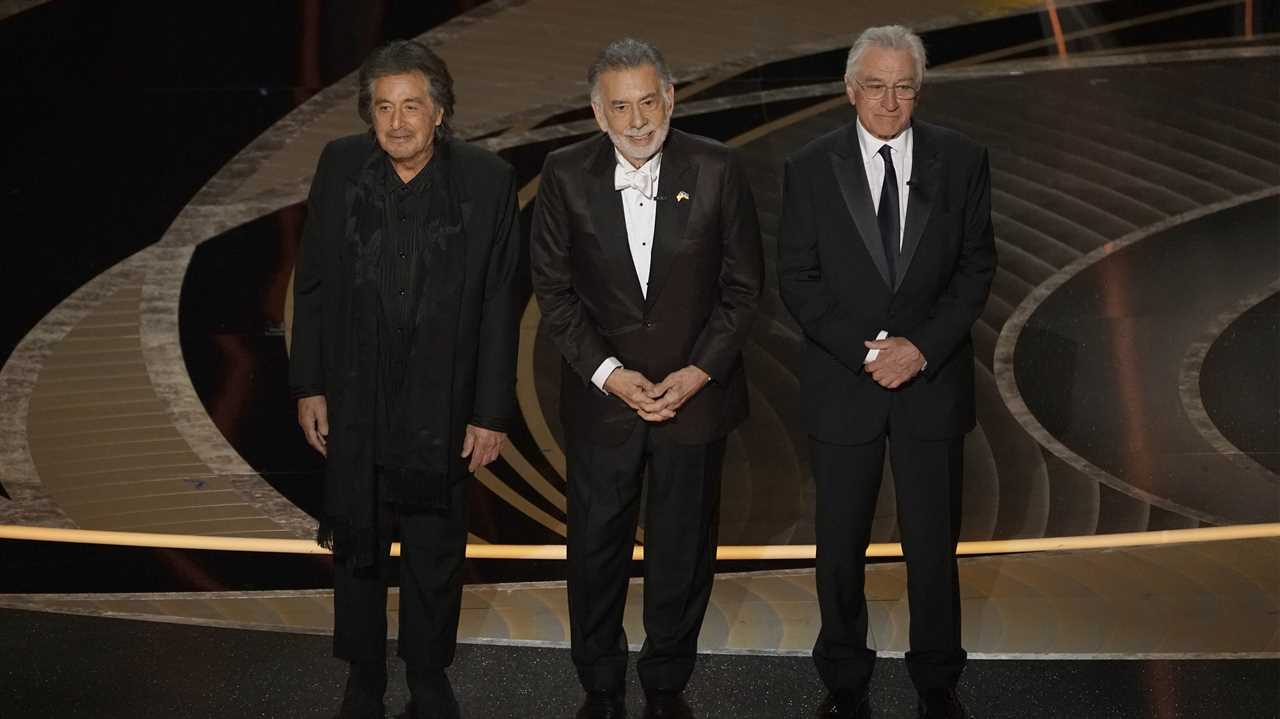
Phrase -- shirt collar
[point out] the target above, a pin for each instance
(870, 144)
(419, 182)
(652, 167)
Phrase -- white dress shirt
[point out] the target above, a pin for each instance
(639, 187)
(873, 162)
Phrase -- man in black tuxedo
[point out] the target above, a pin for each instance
(886, 255)
(647, 266)
(408, 296)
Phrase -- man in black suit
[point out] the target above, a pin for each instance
(886, 255)
(647, 267)
(407, 303)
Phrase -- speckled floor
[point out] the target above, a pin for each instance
(139, 670)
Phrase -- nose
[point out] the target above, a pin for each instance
(890, 99)
(637, 118)
(397, 118)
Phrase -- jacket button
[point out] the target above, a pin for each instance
(648, 325)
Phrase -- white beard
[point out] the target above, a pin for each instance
(637, 153)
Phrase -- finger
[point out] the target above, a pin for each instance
(877, 344)
(469, 444)
(322, 422)
(314, 440)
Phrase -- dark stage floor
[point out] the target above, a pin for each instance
(137, 670)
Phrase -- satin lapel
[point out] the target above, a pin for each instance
(847, 166)
(676, 183)
(608, 220)
(924, 176)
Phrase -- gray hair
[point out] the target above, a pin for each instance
(889, 37)
(401, 57)
(625, 54)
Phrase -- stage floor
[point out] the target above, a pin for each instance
(138, 670)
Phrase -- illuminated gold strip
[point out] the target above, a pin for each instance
(736, 552)
(1057, 29)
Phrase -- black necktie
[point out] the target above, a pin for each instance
(887, 215)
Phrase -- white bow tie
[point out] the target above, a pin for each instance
(641, 180)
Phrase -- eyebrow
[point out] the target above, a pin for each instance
(646, 97)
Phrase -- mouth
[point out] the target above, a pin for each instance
(641, 139)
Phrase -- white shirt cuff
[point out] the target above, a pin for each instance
(603, 371)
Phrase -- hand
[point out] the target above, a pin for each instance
(671, 393)
(899, 361)
(637, 391)
(482, 446)
(313, 417)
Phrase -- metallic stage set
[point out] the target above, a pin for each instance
(1121, 519)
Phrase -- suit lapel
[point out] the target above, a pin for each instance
(847, 164)
(608, 219)
(924, 176)
(678, 175)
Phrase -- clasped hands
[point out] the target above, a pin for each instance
(898, 362)
(656, 402)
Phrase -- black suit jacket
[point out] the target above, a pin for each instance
(704, 284)
(463, 344)
(834, 280)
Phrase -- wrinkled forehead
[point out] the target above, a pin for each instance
(401, 87)
(887, 65)
(629, 84)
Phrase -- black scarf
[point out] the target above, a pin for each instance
(351, 488)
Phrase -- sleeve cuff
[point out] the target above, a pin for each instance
(603, 371)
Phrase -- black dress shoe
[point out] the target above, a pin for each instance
(941, 704)
(603, 705)
(430, 696)
(845, 704)
(362, 698)
(666, 705)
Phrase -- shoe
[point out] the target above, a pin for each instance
(666, 705)
(603, 705)
(941, 704)
(845, 704)
(362, 699)
(430, 696)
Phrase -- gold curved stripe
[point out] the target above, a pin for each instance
(513, 498)
(729, 552)
(527, 396)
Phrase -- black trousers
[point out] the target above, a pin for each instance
(681, 523)
(927, 482)
(433, 547)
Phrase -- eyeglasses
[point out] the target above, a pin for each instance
(876, 90)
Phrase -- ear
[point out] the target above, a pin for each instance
(849, 89)
(670, 98)
(598, 111)
(439, 116)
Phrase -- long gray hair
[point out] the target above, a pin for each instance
(400, 57)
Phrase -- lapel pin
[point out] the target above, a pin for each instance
(681, 196)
